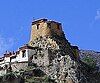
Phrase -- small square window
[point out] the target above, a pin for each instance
(58, 27)
(49, 25)
(24, 53)
(38, 26)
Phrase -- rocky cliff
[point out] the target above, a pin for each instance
(54, 60)
(55, 56)
(91, 54)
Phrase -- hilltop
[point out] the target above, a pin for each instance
(49, 57)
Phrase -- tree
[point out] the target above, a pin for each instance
(89, 61)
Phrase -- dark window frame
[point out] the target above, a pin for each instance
(38, 26)
(23, 53)
(49, 25)
(58, 26)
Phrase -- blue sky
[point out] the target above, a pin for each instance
(80, 20)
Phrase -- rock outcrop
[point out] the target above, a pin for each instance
(55, 56)
(52, 59)
(91, 54)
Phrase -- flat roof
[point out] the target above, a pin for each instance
(37, 21)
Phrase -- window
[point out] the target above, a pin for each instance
(49, 25)
(58, 26)
(38, 26)
(24, 53)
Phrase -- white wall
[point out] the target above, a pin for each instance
(13, 60)
(7, 59)
(19, 57)
(1, 62)
(2, 72)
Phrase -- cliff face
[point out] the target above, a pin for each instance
(90, 65)
(56, 59)
(55, 56)
(51, 55)
(91, 54)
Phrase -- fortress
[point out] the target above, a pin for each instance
(44, 28)
(48, 49)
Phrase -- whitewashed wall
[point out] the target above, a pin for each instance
(7, 59)
(2, 63)
(19, 57)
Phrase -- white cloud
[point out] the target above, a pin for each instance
(5, 44)
(97, 17)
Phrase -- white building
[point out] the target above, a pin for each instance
(2, 61)
(19, 59)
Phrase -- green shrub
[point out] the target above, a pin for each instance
(89, 61)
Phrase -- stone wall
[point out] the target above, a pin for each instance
(45, 28)
(2, 72)
(19, 66)
(41, 58)
(60, 59)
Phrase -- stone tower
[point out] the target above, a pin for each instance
(54, 54)
(44, 28)
(49, 30)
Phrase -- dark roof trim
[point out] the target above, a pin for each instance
(7, 55)
(38, 21)
(51, 21)
(12, 57)
(28, 47)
